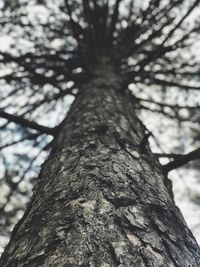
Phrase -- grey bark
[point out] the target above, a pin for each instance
(101, 199)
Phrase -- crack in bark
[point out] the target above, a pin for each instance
(116, 261)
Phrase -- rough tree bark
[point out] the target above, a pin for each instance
(101, 198)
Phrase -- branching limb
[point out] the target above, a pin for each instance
(166, 155)
(26, 123)
(114, 19)
(181, 21)
(168, 105)
(182, 160)
(32, 136)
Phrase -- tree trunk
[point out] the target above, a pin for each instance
(101, 198)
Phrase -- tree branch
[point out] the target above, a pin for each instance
(151, 101)
(30, 137)
(114, 20)
(181, 21)
(26, 123)
(166, 155)
(182, 160)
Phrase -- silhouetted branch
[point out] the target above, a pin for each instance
(26, 123)
(181, 21)
(166, 155)
(182, 160)
(151, 101)
(171, 83)
(147, 79)
(114, 20)
(29, 137)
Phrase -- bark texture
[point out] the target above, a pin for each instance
(101, 198)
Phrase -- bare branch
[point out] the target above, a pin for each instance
(32, 136)
(167, 105)
(166, 155)
(26, 123)
(182, 160)
(114, 20)
(181, 21)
